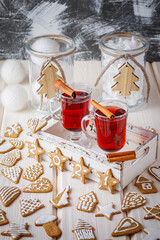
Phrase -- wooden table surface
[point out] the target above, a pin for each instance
(148, 117)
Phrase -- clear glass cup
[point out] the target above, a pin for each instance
(110, 133)
(39, 50)
(113, 46)
(71, 110)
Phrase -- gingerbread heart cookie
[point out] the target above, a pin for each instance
(155, 171)
(12, 173)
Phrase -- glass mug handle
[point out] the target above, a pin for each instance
(84, 125)
(54, 108)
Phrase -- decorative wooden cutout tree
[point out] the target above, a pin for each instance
(125, 80)
(47, 80)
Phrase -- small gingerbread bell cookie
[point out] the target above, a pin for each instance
(13, 131)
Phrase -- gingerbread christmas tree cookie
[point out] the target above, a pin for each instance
(127, 226)
(145, 185)
(107, 181)
(107, 211)
(40, 186)
(16, 231)
(33, 172)
(79, 170)
(29, 206)
(57, 159)
(132, 200)
(3, 219)
(34, 150)
(12, 173)
(62, 199)
(87, 202)
(13, 131)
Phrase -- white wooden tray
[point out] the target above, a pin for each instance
(142, 141)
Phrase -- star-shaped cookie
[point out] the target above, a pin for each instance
(34, 150)
(152, 212)
(153, 233)
(57, 159)
(107, 181)
(106, 211)
(79, 170)
(17, 230)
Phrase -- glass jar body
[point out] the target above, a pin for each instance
(40, 49)
(124, 79)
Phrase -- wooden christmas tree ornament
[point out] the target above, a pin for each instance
(125, 80)
(47, 81)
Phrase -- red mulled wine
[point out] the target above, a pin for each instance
(111, 133)
(73, 110)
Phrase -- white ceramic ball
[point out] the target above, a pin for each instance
(12, 71)
(44, 45)
(14, 97)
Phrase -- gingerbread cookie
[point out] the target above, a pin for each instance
(13, 131)
(107, 211)
(152, 212)
(47, 221)
(107, 181)
(57, 159)
(155, 171)
(152, 233)
(62, 199)
(29, 206)
(80, 170)
(17, 143)
(3, 219)
(17, 231)
(132, 200)
(36, 124)
(10, 159)
(33, 172)
(83, 230)
(145, 185)
(8, 194)
(6, 147)
(40, 186)
(87, 202)
(12, 173)
(34, 150)
(127, 226)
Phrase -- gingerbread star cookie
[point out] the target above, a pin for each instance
(79, 170)
(40, 186)
(33, 172)
(155, 171)
(62, 199)
(87, 202)
(152, 212)
(34, 150)
(152, 233)
(127, 226)
(17, 231)
(107, 211)
(107, 181)
(83, 230)
(29, 206)
(12, 173)
(3, 219)
(13, 131)
(132, 200)
(57, 159)
(145, 185)
(36, 124)
(8, 194)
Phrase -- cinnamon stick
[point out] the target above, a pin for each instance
(104, 110)
(64, 88)
(121, 156)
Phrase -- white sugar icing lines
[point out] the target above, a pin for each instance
(7, 193)
(117, 230)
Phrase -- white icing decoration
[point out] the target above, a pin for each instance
(16, 143)
(122, 228)
(151, 211)
(83, 230)
(35, 124)
(13, 129)
(107, 210)
(132, 200)
(16, 230)
(10, 158)
(32, 172)
(64, 198)
(7, 193)
(40, 185)
(6, 146)
(155, 172)
(87, 202)
(12, 173)
(45, 219)
(146, 186)
(2, 218)
(29, 206)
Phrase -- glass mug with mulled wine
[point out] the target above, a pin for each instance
(110, 118)
(73, 101)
